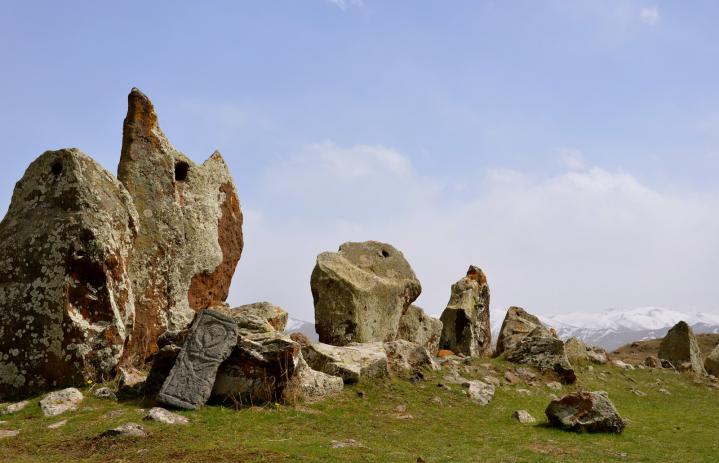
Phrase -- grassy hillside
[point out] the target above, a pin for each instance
(636, 352)
(442, 426)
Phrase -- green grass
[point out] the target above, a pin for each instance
(679, 427)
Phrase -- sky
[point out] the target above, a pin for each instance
(568, 148)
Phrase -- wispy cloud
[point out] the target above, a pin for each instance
(650, 16)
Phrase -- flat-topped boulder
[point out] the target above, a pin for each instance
(418, 327)
(360, 293)
(585, 412)
(465, 322)
(680, 346)
(351, 362)
(517, 325)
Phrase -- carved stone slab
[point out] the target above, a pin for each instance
(210, 341)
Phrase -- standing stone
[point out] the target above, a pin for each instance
(418, 327)
(680, 346)
(465, 321)
(517, 324)
(711, 364)
(209, 342)
(585, 412)
(360, 293)
(66, 301)
(190, 237)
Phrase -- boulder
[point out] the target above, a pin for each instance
(585, 412)
(418, 327)
(711, 363)
(66, 299)
(59, 402)
(545, 353)
(190, 229)
(351, 363)
(312, 385)
(480, 392)
(406, 358)
(517, 324)
(465, 321)
(578, 352)
(272, 314)
(680, 346)
(209, 342)
(360, 293)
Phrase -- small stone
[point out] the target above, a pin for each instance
(163, 416)
(524, 392)
(126, 430)
(5, 433)
(523, 417)
(400, 409)
(492, 380)
(57, 425)
(555, 386)
(511, 378)
(638, 393)
(114, 414)
(437, 400)
(14, 408)
(346, 443)
(622, 365)
(479, 392)
(105, 393)
(59, 402)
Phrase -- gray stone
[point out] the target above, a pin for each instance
(130, 381)
(517, 325)
(585, 412)
(209, 342)
(190, 229)
(554, 385)
(579, 353)
(406, 358)
(57, 425)
(105, 393)
(351, 363)
(680, 346)
(480, 392)
(270, 313)
(523, 417)
(360, 293)
(126, 430)
(622, 364)
(164, 416)
(465, 322)
(66, 301)
(59, 402)
(14, 408)
(545, 353)
(7, 433)
(313, 385)
(711, 363)
(418, 327)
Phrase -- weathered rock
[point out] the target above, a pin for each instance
(480, 392)
(126, 430)
(190, 233)
(554, 385)
(652, 362)
(301, 339)
(680, 346)
(711, 363)
(465, 321)
(14, 408)
(312, 385)
(545, 353)
(407, 358)
(622, 364)
(585, 412)
(131, 382)
(351, 363)
(210, 341)
(164, 416)
(517, 324)
(360, 293)
(272, 314)
(418, 327)
(578, 352)
(523, 417)
(105, 393)
(59, 402)
(66, 301)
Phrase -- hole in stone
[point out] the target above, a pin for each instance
(385, 253)
(56, 168)
(181, 170)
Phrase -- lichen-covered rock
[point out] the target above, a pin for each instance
(360, 293)
(517, 324)
(59, 402)
(66, 300)
(190, 237)
(545, 353)
(312, 385)
(406, 358)
(351, 363)
(711, 363)
(680, 346)
(465, 321)
(272, 314)
(585, 412)
(418, 327)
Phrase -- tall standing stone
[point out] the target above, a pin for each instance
(360, 293)
(465, 321)
(66, 299)
(190, 237)
(680, 346)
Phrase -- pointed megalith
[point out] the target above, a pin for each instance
(66, 301)
(190, 234)
(680, 346)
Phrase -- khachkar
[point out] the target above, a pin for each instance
(210, 341)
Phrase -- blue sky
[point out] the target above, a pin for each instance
(569, 148)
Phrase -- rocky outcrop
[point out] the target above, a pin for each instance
(585, 412)
(406, 358)
(418, 327)
(360, 293)
(351, 363)
(465, 321)
(544, 352)
(711, 363)
(517, 324)
(680, 346)
(66, 299)
(190, 229)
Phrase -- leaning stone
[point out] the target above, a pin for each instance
(418, 327)
(210, 341)
(105, 393)
(523, 417)
(360, 293)
(711, 363)
(585, 412)
(351, 363)
(126, 430)
(680, 346)
(545, 353)
(163, 416)
(479, 392)
(272, 314)
(465, 321)
(407, 358)
(517, 325)
(14, 408)
(59, 402)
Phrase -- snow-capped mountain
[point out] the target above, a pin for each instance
(614, 328)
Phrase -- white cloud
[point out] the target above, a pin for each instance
(344, 4)
(586, 239)
(649, 16)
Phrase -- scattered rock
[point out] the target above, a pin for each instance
(492, 380)
(585, 412)
(57, 425)
(523, 416)
(350, 362)
(6, 433)
(664, 391)
(465, 321)
(407, 358)
(621, 364)
(479, 392)
(517, 325)
(165, 416)
(555, 386)
(511, 378)
(105, 393)
(347, 443)
(126, 430)
(272, 314)
(638, 393)
(711, 363)
(14, 408)
(114, 414)
(680, 346)
(524, 391)
(418, 327)
(653, 362)
(544, 352)
(59, 402)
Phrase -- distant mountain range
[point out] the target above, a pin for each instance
(609, 329)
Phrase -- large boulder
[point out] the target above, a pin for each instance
(465, 321)
(190, 229)
(517, 324)
(360, 293)
(585, 412)
(418, 327)
(711, 363)
(351, 363)
(680, 346)
(544, 352)
(66, 299)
